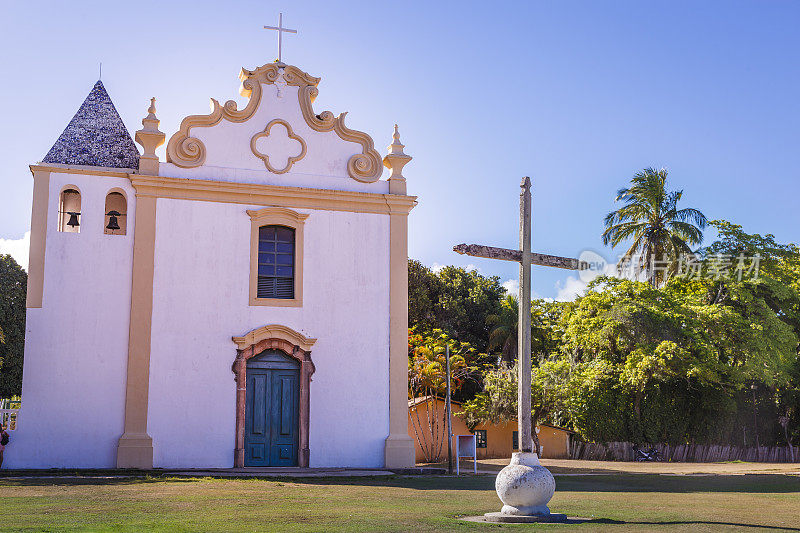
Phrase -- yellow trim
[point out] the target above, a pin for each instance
(292, 135)
(189, 152)
(399, 447)
(82, 169)
(135, 448)
(274, 331)
(283, 217)
(41, 200)
(273, 195)
(250, 193)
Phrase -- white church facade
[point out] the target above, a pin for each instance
(243, 303)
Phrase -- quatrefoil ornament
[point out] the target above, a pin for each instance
(278, 146)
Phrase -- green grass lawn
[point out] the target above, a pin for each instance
(621, 502)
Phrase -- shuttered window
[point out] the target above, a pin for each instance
(276, 262)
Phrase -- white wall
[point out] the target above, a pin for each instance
(76, 344)
(201, 284)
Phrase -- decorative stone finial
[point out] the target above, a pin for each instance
(151, 111)
(395, 160)
(150, 138)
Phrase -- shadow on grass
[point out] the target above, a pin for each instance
(82, 479)
(622, 483)
(680, 523)
(613, 468)
(610, 522)
(750, 483)
(761, 483)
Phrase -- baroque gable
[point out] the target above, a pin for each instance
(277, 132)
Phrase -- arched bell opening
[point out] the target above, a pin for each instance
(69, 210)
(116, 214)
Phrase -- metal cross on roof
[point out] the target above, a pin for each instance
(281, 30)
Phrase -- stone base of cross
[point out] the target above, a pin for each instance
(524, 486)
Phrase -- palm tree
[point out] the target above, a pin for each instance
(504, 327)
(651, 219)
(504, 324)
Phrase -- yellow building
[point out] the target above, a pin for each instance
(493, 440)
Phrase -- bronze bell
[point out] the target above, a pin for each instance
(73, 219)
(113, 224)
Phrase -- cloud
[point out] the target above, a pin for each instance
(512, 289)
(17, 248)
(570, 289)
(575, 286)
(436, 268)
(511, 286)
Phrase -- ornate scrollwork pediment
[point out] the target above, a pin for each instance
(274, 331)
(186, 151)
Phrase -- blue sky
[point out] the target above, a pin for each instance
(578, 95)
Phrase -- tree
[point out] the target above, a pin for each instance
(760, 279)
(427, 384)
(738, 256)
(454, 300)
(779, 261)
(504, 327)
(466, 300)
(498, 401)
(545, 334)
(650, 218)
(13, 287)
(546, 327)
(424, 290)
(2, 341)
(667, 364)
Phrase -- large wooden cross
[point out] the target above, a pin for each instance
(525, 258)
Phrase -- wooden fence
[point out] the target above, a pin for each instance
(683, 453)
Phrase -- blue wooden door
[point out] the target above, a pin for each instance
(271, 412)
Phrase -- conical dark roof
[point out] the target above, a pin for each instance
(95, 136)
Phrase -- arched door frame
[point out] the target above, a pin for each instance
(293, 344)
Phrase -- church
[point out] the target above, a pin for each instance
(242, 303)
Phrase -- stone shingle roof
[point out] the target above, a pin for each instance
(95, 136)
